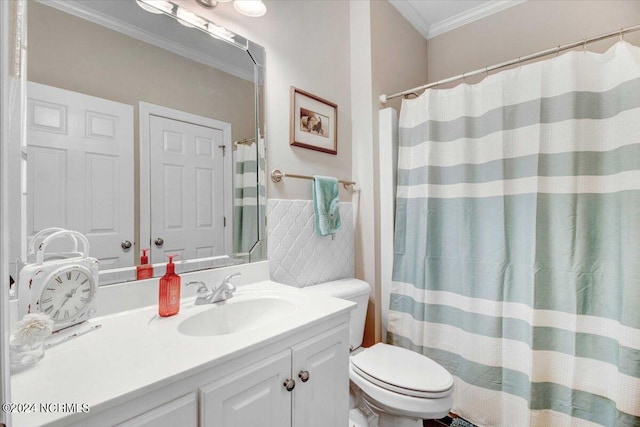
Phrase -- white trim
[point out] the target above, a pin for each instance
(411, 14)
(5, 375)
(388, 157)
(145, 111)
(469, 16)
(145, 36)
(363, 148)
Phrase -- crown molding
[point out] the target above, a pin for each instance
(145, 36)
(411, 14)
(468, 16)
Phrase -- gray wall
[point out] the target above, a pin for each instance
(527, 28)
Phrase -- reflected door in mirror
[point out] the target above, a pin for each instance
(80, 169)
(187, 188)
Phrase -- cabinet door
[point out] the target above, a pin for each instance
(323, 399)
(254, 396)
(180, 412)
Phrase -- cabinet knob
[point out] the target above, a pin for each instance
(304, 376)
(159, 241)
(126, 244)
(289, 384)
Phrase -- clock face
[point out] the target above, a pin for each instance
(66, 294)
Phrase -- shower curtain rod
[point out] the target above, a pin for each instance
(621, 32)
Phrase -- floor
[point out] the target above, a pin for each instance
(437, 423)
(444, 422)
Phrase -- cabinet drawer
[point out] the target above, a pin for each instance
(181, 412)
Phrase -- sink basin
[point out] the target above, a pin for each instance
(236, 315)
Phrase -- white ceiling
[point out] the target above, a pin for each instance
(434, 17)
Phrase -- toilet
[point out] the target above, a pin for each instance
(390, 386)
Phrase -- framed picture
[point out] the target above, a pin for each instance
(314, 122)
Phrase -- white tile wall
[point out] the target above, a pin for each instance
(297, 255)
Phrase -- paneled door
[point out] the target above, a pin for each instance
(80, 170)
(253, 396)
(320, 368)
(187, 183)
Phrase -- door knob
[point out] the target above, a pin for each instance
(304, 376)
(159, 242)
(289, 384)
(126, 244)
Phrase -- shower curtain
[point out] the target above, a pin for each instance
(245, 198)
(517, 245)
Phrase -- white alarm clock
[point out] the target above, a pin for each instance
(61, 285)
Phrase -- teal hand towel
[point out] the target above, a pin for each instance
(326, 201)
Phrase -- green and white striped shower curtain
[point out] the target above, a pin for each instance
(517, 246)
(248, 195)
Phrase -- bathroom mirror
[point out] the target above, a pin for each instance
(143, 131)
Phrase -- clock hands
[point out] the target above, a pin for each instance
(69, 295)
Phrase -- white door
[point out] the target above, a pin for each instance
(187, 189)
(80, 169)
(320, 368)
(251, 397)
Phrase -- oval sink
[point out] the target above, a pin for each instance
(234, 316)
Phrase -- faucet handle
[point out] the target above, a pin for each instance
(202, 288)
(227, 280)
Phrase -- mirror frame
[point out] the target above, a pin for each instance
(257, 55)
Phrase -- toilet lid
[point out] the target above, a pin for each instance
(401, 370)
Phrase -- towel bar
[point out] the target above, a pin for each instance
(277, 175)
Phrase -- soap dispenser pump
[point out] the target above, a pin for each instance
(169, 301)
(144, 270)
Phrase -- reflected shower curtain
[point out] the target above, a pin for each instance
(517, 246)
(245, 198)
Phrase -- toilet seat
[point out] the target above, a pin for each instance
(402, 371)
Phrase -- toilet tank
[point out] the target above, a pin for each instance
(354, 290)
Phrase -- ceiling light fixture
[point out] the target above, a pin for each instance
(253, 8)
(156, 6)
(190, 19)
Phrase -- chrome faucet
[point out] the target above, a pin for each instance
(203, 292)
(225, 290)
(221, 293)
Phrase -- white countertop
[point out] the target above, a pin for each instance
(137, 349)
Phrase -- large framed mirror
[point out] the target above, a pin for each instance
(144, 129)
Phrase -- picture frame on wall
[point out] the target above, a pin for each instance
(314, 122)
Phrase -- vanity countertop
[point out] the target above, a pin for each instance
(135, 351)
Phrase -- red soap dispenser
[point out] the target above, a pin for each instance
(144, 270)
(169, 303)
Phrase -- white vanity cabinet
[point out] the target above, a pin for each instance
(253, 396)
(316, 372)
(180, 412)
(165, 378)
(323, 398)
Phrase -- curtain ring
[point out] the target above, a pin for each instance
(463, 78)
(557, 51)
(621, 36)
(486, 71)
(584, 45)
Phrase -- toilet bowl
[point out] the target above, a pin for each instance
(390, 386)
